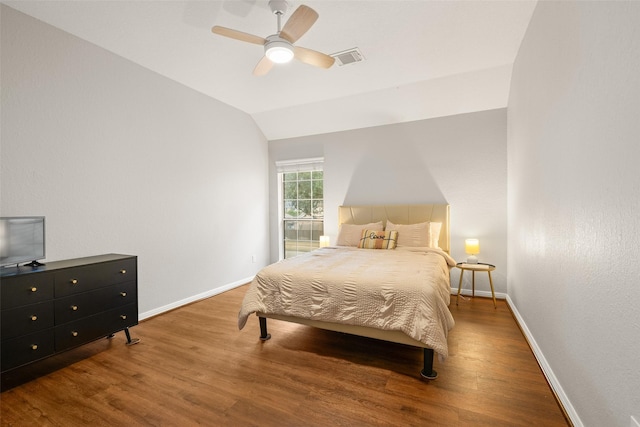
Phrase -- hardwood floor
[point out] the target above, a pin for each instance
(193, 367)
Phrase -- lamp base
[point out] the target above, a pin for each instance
(472, 259)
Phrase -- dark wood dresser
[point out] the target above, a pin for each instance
(64, 304)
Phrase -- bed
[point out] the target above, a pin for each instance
(400, 295)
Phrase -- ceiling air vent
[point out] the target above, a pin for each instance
(348, 56)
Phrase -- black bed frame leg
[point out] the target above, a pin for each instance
(427, 368)
(263, 329)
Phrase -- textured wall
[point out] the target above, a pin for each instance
(120, 159)
(574, 198)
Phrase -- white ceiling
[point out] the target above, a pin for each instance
(423, 58)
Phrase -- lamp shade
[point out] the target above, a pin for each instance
(324, 241)
(472, 246)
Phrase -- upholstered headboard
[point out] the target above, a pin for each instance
(399, 214)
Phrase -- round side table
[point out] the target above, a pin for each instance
(463, 266)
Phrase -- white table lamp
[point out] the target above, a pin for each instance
(324, 241)
(472, 247)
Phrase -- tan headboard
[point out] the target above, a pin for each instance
(399, 214)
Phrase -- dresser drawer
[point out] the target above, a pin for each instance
(78, 306)
(27, 319)
(25, 289)
(82, 331)
(121, 294)
(83, 279)
(122, 317)
(26, 349)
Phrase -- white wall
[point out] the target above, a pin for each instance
(121, 159)
(460, 160)
(574, 201)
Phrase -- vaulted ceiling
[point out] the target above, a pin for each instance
(422, 58)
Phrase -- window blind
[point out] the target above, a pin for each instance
(305, 165)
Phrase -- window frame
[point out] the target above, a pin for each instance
(286, 166)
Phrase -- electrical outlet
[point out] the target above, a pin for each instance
(253, 259)
(634, 422)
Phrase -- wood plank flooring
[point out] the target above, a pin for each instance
(193, 367)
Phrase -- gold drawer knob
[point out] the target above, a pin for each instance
(74, 307)
(74, 281)
(124, 294)
(34, 317)
(123, 316)
(123, 271)
(74, 333)
(34, 346)
(33, 289)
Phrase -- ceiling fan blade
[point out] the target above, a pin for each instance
(263, 67)
(238, 35)
(299, 23)
(312, 57)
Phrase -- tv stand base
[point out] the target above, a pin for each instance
(33, 264)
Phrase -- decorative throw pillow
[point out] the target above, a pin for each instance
(349, 234)
(372, 239)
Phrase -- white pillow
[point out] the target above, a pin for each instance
(434, 234)
(415, 235)
(349, 234)
(421, 235)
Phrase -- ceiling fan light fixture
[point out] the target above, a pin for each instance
(279, 51)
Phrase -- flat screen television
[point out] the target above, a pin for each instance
(21, 240)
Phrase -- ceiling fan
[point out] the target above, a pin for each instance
(279, 48)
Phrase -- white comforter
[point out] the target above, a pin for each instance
(405, 289)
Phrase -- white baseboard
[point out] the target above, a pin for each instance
(194, 298)
(546, 369)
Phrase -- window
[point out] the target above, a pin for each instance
(301, 205)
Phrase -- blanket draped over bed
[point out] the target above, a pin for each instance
(405, 289)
